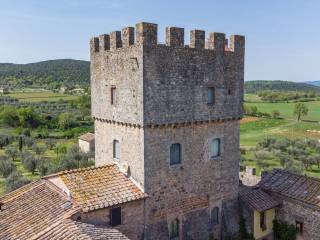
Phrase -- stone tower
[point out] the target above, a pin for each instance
(170, 113)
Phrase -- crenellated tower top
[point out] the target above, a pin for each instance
(146, 34)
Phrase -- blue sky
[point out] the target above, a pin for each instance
(282, 36)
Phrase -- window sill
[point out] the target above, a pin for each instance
(218, 158)
(176, 166)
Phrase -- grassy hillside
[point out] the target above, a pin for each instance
(278, 85)
(48, 74)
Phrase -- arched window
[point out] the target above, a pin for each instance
(116, 149)
(215, 216)
(175, 154)
(215, 148)
(174, 229)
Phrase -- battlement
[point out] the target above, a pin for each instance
(146, 34)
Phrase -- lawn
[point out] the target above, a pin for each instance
(41, 96)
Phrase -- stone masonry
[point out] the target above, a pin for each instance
(159, 97)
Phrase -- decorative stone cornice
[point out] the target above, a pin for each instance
(169, 125)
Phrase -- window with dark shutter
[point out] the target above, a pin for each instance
(215, 148)
(116, 149)
(210, 95)
(215, 216)
(113, 95)
(175, 154)
(115, 216)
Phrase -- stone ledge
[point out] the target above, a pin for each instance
(169, 125)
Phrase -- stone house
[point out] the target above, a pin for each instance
(166, 145)
(298, 197)
(86, 143)
(259, 210)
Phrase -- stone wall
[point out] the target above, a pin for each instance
(86, 146)
(169, 187)
(132, 216)
(131, 147)
(291, 211)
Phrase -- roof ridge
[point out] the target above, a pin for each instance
(20, 191)
(77, 170)
(296, 174)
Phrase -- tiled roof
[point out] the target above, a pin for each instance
(73, 230)
(87, 137)
(257, 198)
(295, 186)
(99, 187)
(30, 210)
(39, 211)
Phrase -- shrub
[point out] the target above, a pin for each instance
(12, 153)
(6, 166)
(15, 180)
(284, 231)
(30, 162)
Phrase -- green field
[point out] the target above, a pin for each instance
(285, 127)
(286, 109)
(41, 96)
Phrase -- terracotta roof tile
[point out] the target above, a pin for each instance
(30, 209)
(87, 137)
(295, 186)
(257, 198)
(39, 211)
(98, 187)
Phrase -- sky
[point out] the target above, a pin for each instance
(282, 36)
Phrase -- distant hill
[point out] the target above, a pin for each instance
(314, 83)
(50, 74)
(278, 85)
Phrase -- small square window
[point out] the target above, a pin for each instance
(215, 148)
(115, 216)
(210, 95)
(113, 95)
(175, 154)
(116, 149)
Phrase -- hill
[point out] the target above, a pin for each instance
(314, 83)
(50, 74)
(278, 85)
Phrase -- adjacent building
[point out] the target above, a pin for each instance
(287, 197)
(86, 143)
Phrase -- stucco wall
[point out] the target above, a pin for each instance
(259, 233)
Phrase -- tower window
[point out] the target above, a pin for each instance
(116, 149)
(215, 216)
(229, 91)
(115, 216)
(210, 95)
(215, 148)
(175, 154)
(174, 229)
(113, 95)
